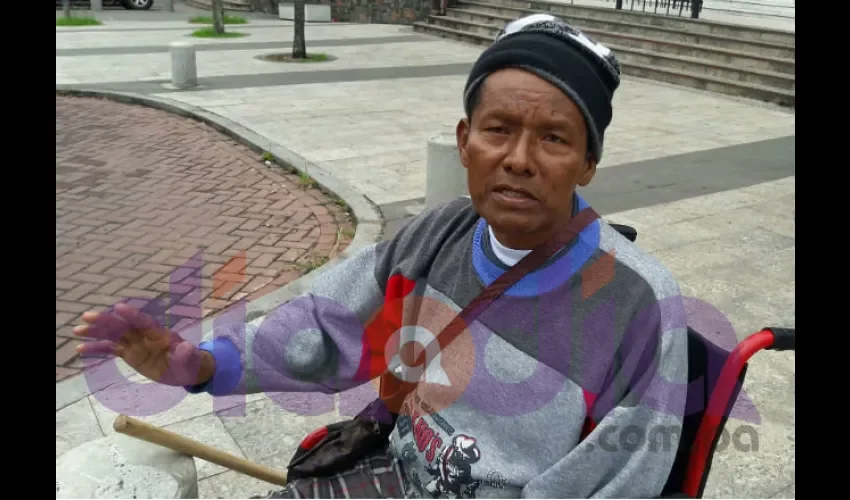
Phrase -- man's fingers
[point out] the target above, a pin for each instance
(135, 318)
(91, 316)
(100, 348)
(116, 326)
(96, 332)
(102, 325)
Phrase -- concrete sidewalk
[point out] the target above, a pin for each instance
(707, 180)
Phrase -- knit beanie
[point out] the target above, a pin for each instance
(586, 71)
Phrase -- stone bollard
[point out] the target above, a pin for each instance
(120, 466)
(445, 176)
(96, 5)
(184, 72)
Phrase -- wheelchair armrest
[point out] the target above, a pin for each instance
(783, 339)
(628, 232)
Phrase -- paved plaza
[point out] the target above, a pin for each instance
(374, 107)
(708, 181)
(172, 214)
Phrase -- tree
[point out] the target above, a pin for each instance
(66, 8)
(218, 16)
(299, 44)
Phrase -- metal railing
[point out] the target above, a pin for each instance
(665, 7)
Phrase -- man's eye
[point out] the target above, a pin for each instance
(556, 139)
(497, 130)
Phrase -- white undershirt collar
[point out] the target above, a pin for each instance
(508, 256)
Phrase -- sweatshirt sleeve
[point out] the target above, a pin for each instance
(313, 343)
(334, 337)
(630, 450)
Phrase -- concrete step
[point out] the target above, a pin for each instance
(612, 25)
(709, 53)
(457, 35)
(631, 54)
(633, 66)
(701, 67)
(706, 53)
(712, 84)
(229, 5)
(673, 21)
(777, 8)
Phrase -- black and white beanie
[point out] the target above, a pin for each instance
(585, 70)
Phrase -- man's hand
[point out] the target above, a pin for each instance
(152, 350)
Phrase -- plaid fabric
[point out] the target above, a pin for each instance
(377, 476)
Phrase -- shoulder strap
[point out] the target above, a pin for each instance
(527, 265)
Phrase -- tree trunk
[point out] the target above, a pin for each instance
(66, 8)
(299, 44)
(218, 16)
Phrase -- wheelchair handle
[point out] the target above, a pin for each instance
(783, 338)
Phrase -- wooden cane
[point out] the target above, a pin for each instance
(156, 435)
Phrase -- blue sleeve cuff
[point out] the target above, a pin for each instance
(228, 368)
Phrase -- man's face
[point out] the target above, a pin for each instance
(525, 151)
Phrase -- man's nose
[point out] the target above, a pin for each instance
(518, 159)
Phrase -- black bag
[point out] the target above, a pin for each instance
(338, 447)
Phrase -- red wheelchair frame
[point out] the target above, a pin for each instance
(702, 430)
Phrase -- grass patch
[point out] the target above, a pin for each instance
(268, 156)
(339, 202)
(226, 20)
(306, 181)
(77, 21)
(210, 33)
(287, 57)
(310, 264)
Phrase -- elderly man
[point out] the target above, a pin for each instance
(553, 391)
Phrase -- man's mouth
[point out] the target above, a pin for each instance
(513, 193)
(517, 195)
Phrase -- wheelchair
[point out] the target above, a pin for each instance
(715, 377)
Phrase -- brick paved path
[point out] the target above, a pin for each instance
(161, 208)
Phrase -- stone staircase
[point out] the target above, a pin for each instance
(736, 60)
(778, 8)
(229, 5)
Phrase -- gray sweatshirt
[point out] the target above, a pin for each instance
(571, 385)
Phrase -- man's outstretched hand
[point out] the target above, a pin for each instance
(152, 350)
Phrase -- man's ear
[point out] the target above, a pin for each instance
(589, 171)
(462, 133)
